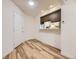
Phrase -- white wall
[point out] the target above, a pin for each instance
(49, 37)
(29, 27)
(9, 8)
(7, 44)
(68, 34)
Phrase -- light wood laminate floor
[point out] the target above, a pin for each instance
(34, 49)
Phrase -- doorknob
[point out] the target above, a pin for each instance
(62, 22)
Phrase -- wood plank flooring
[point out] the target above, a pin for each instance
(34, 49)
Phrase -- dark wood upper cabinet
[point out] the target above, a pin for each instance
(53, 17)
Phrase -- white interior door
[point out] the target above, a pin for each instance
(18, 29)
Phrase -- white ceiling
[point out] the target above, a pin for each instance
(39, 5)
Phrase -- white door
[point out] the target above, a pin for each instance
(18, 29)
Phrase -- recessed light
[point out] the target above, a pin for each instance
(31, 3)
(51, 6)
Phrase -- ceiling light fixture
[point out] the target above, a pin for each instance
(51, 6)
(31, 3)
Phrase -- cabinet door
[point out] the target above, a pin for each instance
(18, 29)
